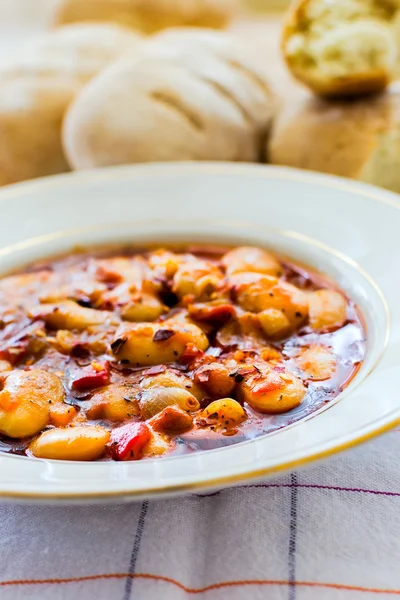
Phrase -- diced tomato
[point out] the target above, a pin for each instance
(217, 314)
(20, 341)
(128, 441)
(244, 372)
(190, 354)
(106, 275)
(90, 377)
(15, 353)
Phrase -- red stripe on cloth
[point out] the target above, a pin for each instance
(208, 588)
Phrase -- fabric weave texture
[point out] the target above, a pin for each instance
(328, 532)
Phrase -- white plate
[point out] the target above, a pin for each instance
(349, 231)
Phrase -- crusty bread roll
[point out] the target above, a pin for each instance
(77, 51)
(37, 88)
(341, 48)
(31, 112)
(224, 61)
(148, 15)
(359, 138)
(153, 110)
(184, 99)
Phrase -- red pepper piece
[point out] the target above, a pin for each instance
(21, 341)
(216, 314)
(128, 441)
(91, 377)
(106, 275)
(190, 354)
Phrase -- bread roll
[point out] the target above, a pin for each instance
(187, 98)
(31, 112)
(148, 15)
(341, 48)
(153, 110)
(359, 139)
(75, 51)
(37, 88)
(224, 61)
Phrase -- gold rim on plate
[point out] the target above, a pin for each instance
(20, 189)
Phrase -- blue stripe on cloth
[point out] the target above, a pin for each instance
(135, 551)
(292, 537)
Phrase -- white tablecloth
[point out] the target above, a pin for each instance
(329, 532)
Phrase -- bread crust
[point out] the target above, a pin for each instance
(190, 95)
(37, 88)
(31, 112)
(154, 110)
(226, 61)
(359, 139)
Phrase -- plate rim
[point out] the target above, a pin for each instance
(264, 171)
(374, 193)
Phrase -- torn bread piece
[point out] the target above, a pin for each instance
(341, 48)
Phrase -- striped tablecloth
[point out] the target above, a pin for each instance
(328, 532)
